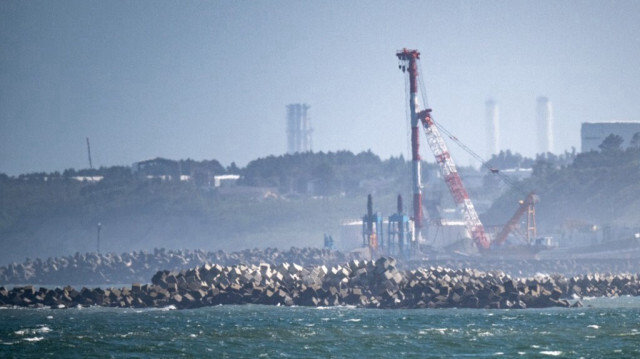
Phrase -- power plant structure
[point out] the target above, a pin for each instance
(298, 128)
(493, 127)
(544, 125)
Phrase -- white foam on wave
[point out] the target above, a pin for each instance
(633, 332)
(437, 330)
(593, 326)
(353, 320)
(40, 330)
(553, 353)
(34, 339)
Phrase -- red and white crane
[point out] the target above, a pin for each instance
(408, 64)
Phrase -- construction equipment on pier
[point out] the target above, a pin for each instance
(372, 234)
(400, 233)
(409, 65)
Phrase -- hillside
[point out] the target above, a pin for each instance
(284, 201)
(597, 188)
(289, 200)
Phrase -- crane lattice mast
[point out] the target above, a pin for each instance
(453, 181)
(435, 141)
(408, 64)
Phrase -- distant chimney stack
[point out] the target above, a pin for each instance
(493, 127)
(544, 124)
(298, 128)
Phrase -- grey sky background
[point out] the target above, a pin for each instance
(211, 79)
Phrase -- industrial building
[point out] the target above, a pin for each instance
(298, 128)
(593, 133)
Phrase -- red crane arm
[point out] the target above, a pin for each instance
(453, 181)
(530, 201)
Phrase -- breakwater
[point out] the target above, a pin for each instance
(369, 284)
(111, 268)
(101, 269)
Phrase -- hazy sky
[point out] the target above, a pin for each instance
(211, 79)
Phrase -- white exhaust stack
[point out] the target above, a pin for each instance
(544, 124)
(493, 127)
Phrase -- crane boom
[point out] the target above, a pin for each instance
(526, 205)
(409, 64)
(453, 181)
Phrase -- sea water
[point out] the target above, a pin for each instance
(604, 327)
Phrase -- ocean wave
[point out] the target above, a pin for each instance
(438, 330)
(553, 353)
(40, 330)
(34, 339)
(633, 332)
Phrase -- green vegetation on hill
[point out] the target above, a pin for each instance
(598, 187)
(288, 200)
(281, 201)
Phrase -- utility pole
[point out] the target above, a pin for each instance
(89, 153)
(98, 242)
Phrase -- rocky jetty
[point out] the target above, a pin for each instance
(111, 268)
(530, 267)
(368, 284)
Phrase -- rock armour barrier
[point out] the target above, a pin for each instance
(365, 284)
(110, 268)
(100, 269)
